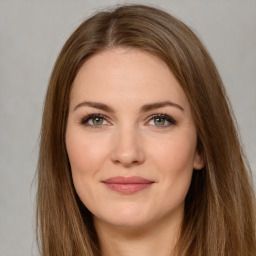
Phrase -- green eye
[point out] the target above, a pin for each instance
(94, 120)
(97, 120)
(159, 121)
(162, 121)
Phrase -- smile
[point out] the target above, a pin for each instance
(127, 185)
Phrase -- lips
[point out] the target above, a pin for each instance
(127, 185)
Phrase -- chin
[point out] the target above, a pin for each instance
(131, 222)
(128, 217)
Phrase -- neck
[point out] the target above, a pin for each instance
(148, 240)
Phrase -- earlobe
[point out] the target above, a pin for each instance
(198, 162)
(198, 167)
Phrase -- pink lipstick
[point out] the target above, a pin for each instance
(127, 185)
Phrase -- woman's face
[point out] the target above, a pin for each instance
(131, 139)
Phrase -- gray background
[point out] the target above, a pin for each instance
(31, 35)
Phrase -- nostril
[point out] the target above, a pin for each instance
(127, 162)
(128, 158)
(126, 148)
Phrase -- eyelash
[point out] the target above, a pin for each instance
(84, 120)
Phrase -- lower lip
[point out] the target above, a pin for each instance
(128, 188)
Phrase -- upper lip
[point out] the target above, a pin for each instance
(127, 180)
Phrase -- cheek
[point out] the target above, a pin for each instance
(85, 157)
(84, 154)
(174, 160)
(174, 154)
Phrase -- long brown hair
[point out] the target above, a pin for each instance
(219, 217)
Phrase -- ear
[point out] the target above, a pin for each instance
(198, 161)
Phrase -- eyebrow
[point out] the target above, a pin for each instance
(144, 108)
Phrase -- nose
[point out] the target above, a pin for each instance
(127, 148)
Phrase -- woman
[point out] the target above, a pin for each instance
(139, 154)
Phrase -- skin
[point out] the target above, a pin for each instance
(131, 143)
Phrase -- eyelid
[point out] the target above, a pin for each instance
(84, 120)
(166, 117)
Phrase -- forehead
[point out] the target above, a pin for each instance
(127, 75)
